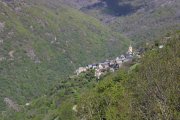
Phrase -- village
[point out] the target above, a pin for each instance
(110, 65)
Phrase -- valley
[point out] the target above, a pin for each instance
(69, 59)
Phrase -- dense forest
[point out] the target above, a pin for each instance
(146, 89)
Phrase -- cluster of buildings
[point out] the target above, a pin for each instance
(109, 65)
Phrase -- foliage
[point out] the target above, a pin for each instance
(58, 102)
(109, 100)
(149, 91)
(156, 90)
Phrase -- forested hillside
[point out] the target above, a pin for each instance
(147, 90)
(140, 20)
(41, 43)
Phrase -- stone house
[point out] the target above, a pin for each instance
(80, 70)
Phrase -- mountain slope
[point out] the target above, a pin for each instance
(151, 21)
(41, 43)
(147, 90)
(140, 20)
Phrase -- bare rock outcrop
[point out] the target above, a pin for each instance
(31, 54)
(11, 104)
(2, 26)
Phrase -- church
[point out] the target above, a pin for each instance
(130, 50)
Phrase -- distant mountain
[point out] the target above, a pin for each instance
(140, 20)
(42, 42)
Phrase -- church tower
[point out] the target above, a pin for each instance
(130, 50)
